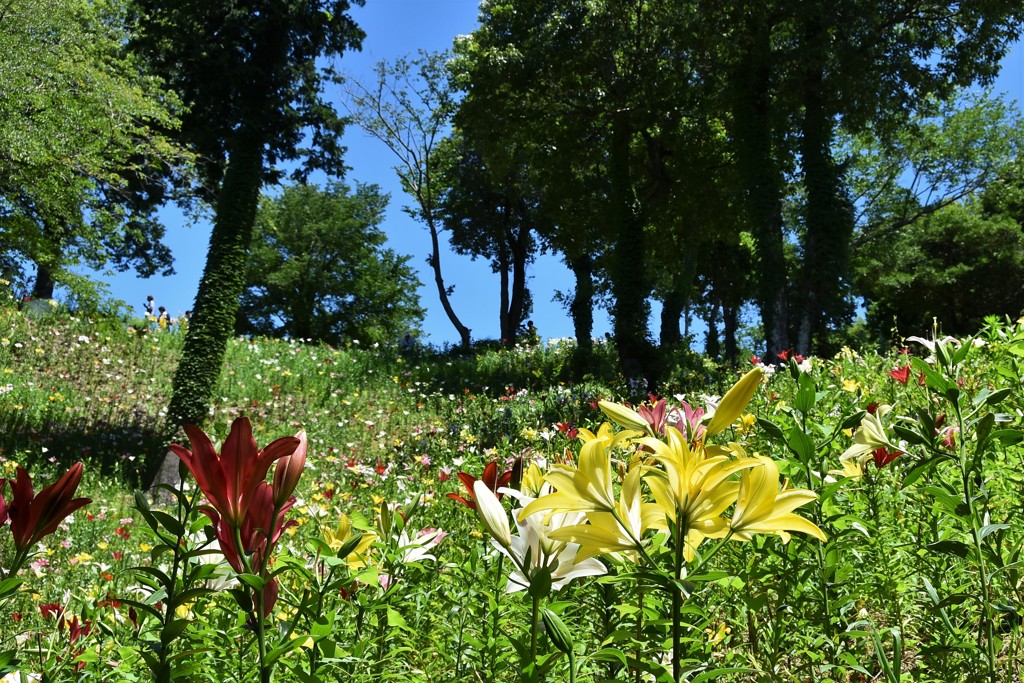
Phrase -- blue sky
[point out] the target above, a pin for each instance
(396, 28)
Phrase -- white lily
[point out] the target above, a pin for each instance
(534, 540)
(869, 437)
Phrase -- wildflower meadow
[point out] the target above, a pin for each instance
(386, 514)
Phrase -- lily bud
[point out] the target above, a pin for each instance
(735, 401)
(492, 514)
(288, 470)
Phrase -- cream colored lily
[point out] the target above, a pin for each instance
(870, 436)
(492, 514)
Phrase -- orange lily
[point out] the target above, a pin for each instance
(230, 479)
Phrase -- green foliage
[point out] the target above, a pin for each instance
(318, 270)
(955, 266)
(84, 131)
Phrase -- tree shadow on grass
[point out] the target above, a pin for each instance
(128, 451)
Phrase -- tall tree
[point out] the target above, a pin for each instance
(409, 109)
(83, 137)
(251, 76)
(583, 94)
(492, 217)
(319, 270)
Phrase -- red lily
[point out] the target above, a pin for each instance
(883, 456)
(231, 478)
(288, 470)
(34, 516)
(901, 374)
(489, 477)
(3, 505)
(655, 415)
(259, 533)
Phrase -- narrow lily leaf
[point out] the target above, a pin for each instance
(771, 428)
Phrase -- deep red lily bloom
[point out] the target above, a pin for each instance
(230, 479)
(489, 477)
(34, 516)
(3, 505)
(259, 533)
(883, 456)
(901, 374)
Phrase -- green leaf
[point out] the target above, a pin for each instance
(773, 430)
(805, 395)
(395, 619)
(801, 445)
(278, 652)
(989, 529)
(854, 420)
(909, 435)
(9, 586)
(955, 599)
(252, 581)
(170, 523)
(949, 547)
(172, 630)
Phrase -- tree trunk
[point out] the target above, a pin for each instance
(216, 304)
(629, 273)
(829, 215)
(582, 306)
(44, 284)
(442, 291)
(507, 332)
(671, 313)
(762, 180)
(517, 309)
(711, 346)
(730, 323)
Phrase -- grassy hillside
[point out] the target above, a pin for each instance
(919, 572)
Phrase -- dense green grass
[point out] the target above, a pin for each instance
(895, 588)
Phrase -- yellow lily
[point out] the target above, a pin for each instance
(762, 508)
(586, 488)
(337, 538)
(695, 486)
(607, 435)
(627, 418)
(734, 402)
(618, 532)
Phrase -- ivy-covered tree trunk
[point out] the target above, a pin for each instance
(213, 315)
(581, 308)
(829, 215)
(519, 304)
(629, 275)
(507, 332)
(762, 181)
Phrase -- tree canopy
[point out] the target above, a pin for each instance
(319, 270)
(85, 145)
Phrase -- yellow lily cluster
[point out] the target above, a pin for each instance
(691, 486)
